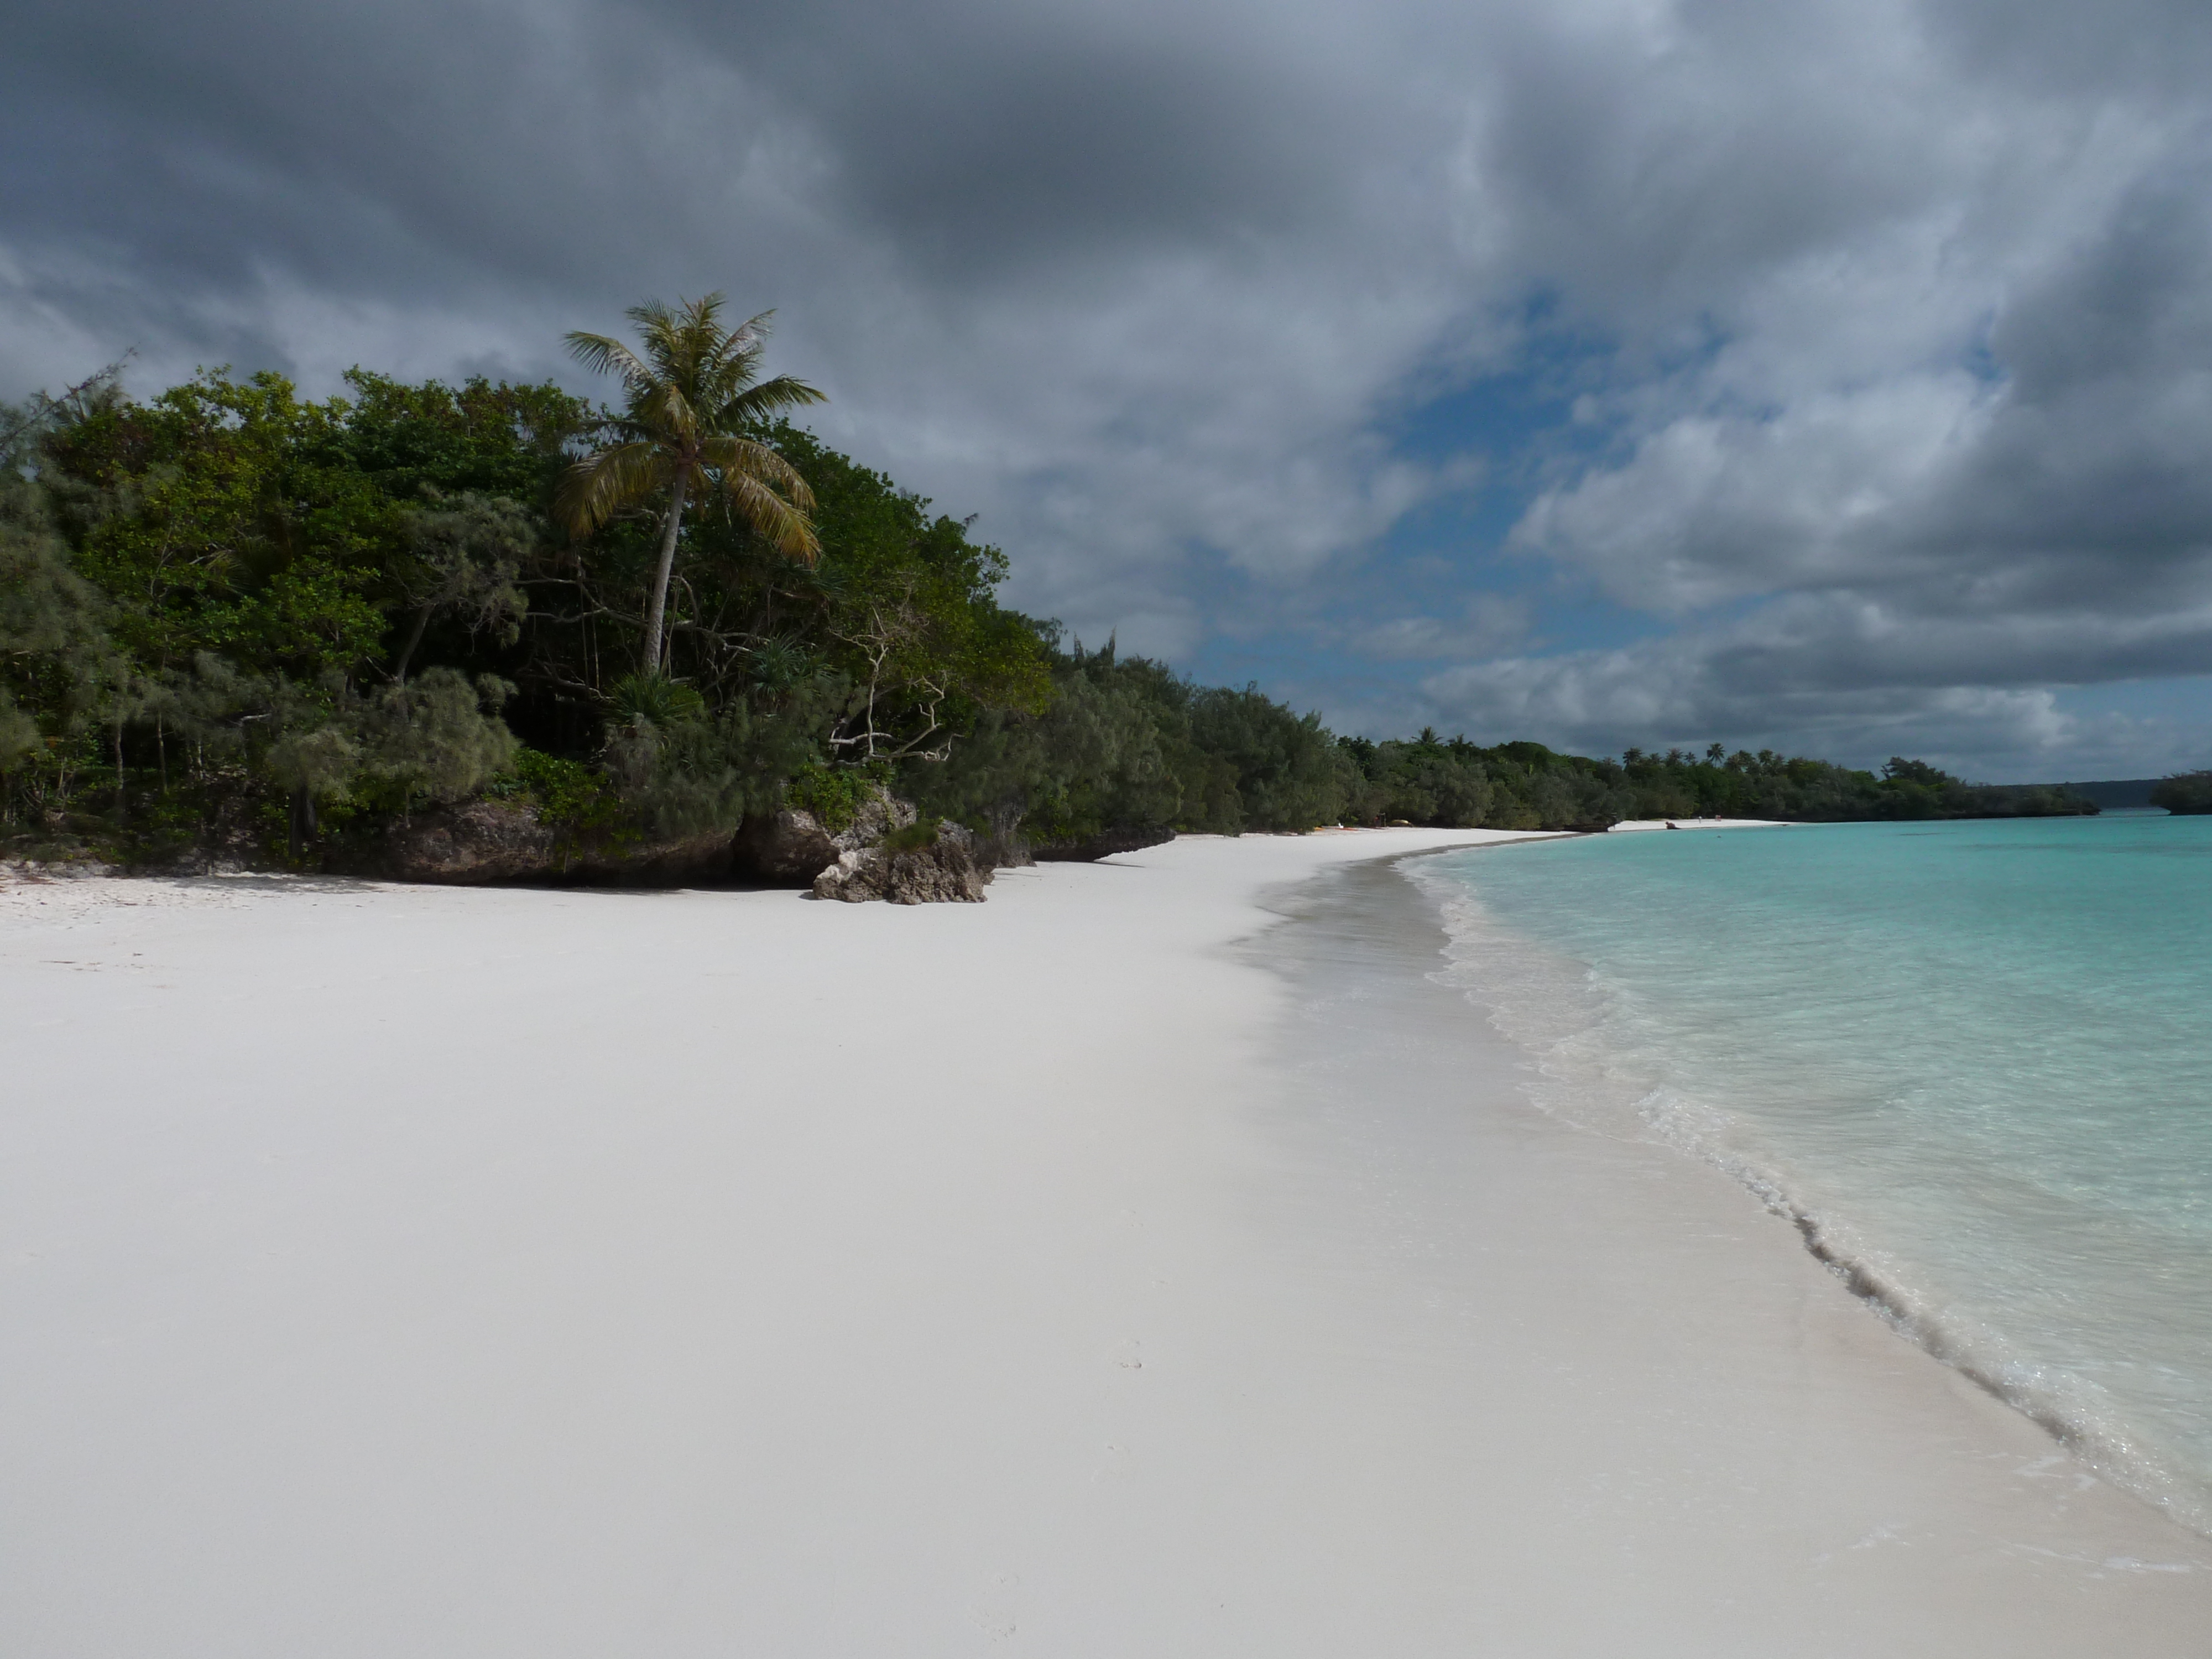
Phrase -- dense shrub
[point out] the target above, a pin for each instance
(2185, 792)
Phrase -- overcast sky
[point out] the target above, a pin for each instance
(1830, 376)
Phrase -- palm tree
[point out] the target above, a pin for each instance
(689, 396)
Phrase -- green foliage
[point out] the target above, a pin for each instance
(902, 605)
(1092, 759)
(65, 687)
(651, 700)
(913, 838)
(577, 800)
(2184, 792)
(1126, 743)
(232, 617)
(834, 794)
(464, 558)
(435, 739)
(691, 393)
(705, 775)
(1282, 770)
(1525, 786)
(421, 442)
(228, 608)
(1515, 785)
(222, 517)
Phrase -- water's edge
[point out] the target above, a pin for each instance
(1524, 990)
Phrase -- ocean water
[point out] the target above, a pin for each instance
(1972, 1062)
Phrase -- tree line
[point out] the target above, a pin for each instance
(2185, 794)
(235, 620)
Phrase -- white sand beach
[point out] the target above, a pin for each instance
(1150, 1260)
(1634, 826)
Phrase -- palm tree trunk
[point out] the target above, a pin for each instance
(657, 611)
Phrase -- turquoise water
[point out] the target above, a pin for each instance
(1972, 1061)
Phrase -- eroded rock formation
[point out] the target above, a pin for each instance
(790, 846)
(944, 869)
(484, 841)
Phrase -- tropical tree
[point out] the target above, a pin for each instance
(691, 395)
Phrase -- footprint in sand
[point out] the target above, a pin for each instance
(994, 1610)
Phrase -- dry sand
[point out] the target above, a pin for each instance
(407, 1271)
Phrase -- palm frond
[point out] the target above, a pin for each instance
(778, 521)
(750, 338)
(663, 410)
(730, 357)
(729, 453)
(599, 486)
(756, 402)
(730, 374)
(660, 331)
(603, 354)
(659, 317)
(691, 383)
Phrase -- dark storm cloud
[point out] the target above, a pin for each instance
(1892, 319)
(396, 150)
(979, 137)
(554, 143)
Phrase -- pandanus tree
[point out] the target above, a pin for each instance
(692, 391)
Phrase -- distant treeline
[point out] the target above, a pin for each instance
(2186, 791)
(1426, 781)
(232, 617)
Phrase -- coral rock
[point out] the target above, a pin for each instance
(792, 846)
(946, 871)
(482, 842)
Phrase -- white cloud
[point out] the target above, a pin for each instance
(1490, 623)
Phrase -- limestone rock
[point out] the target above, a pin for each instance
(944, 870)
(785, 849)
(67, 869)
(484, 840)
(792, 846)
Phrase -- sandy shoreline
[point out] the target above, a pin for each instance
(1105, 1269)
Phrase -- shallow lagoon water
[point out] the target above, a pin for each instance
(1973, 1060)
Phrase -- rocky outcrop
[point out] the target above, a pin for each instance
(484, 841)
(790, 846)
(1089, 849)
(786, 848)
(65, 869)
(909, 869)
(880, 854)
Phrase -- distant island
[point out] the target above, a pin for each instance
(240, 627)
